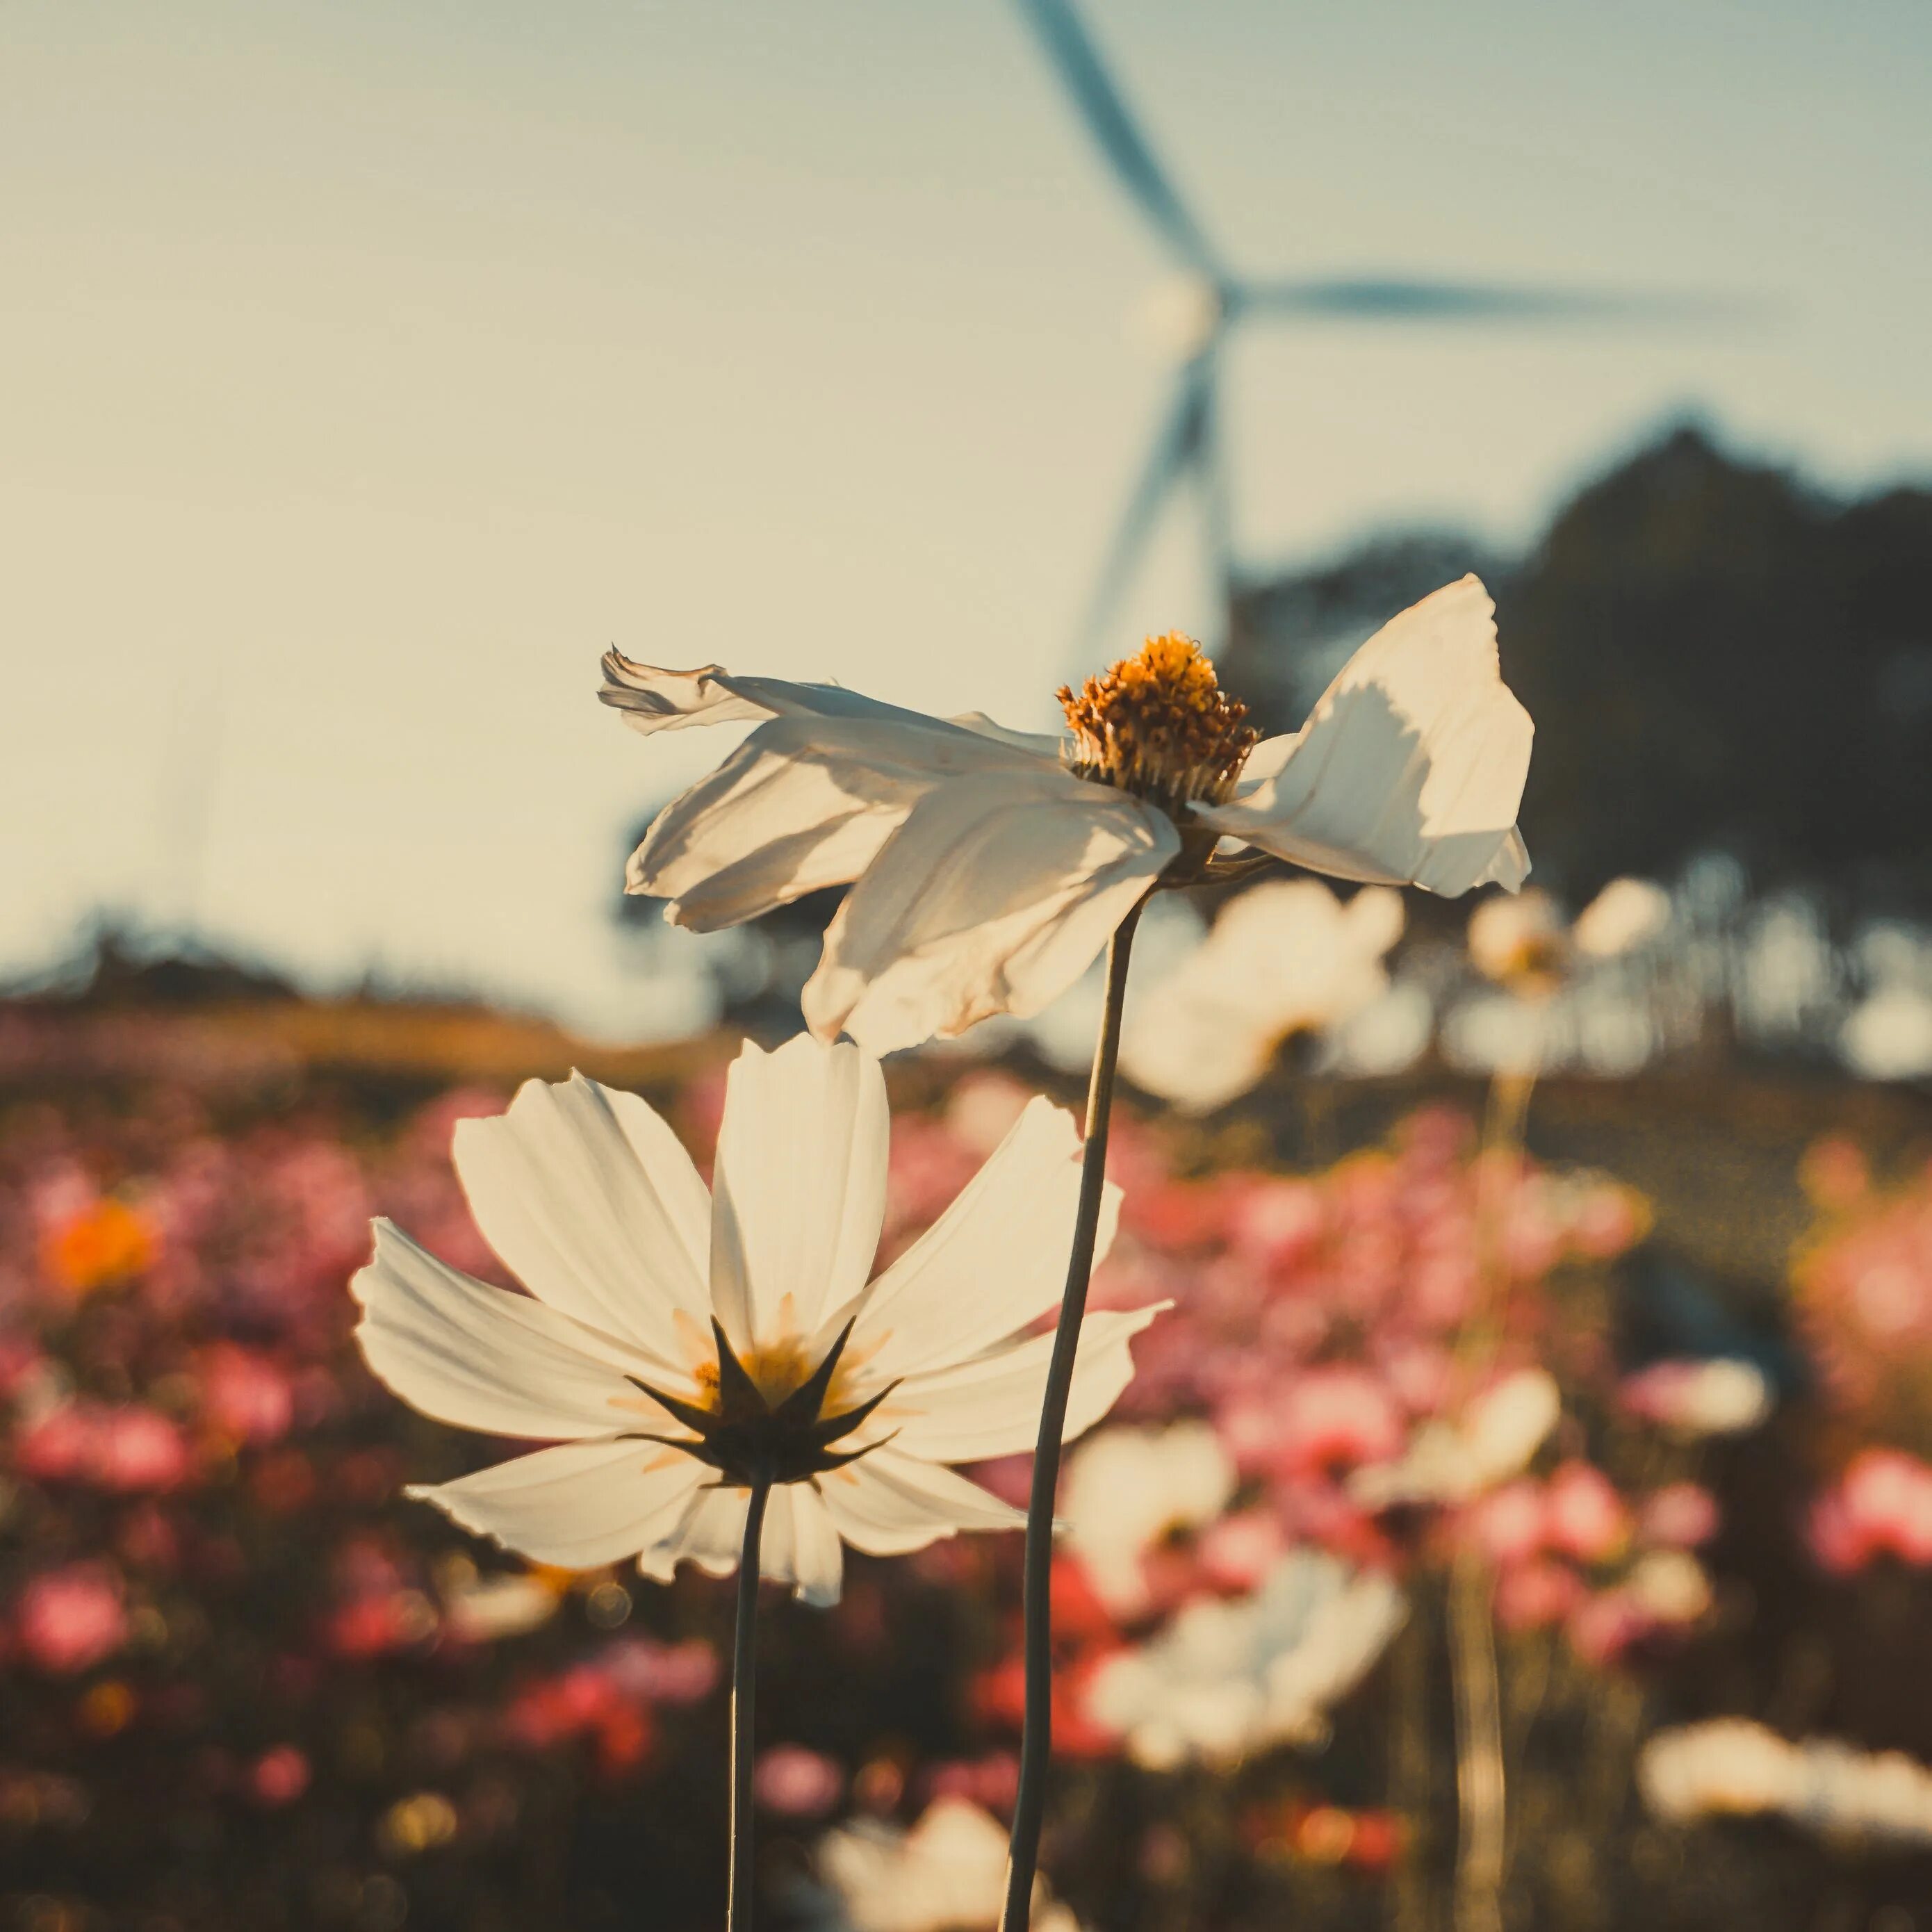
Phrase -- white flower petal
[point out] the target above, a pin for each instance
(992, 897)
(482, 1358)
(592, 1202)
(800, 1186)
(578, 1506)
(991, 1407)
(995, 1261)
(709, 1532)
(1411, 767)
(887, 1503)
(799, 1546)
(656, 699)
(803, 802)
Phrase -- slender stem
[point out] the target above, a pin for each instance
(1481, 1847)
(1036, 1731)
(744, 1694)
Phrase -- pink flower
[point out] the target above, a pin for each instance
(278, 1776)
(1584, 1516)
(67, 1620)
(1533, 1595)
(1680, 1515)
(796, 1783)
(136, 1449)
(1237, 1552)
(1336, 1417)
(662, 1673)
(1881, 1507)
(1602, 1627)
(1508, 1523)
(245, 1395)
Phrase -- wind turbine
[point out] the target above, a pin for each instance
(1210, 298)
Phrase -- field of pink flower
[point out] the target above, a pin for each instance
(1405, 1508)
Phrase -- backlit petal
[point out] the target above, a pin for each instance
(991, 1406)
(992, 897)
(592, 1203)
(1410, 768)
(578, 1506)
(886, 1504)
(800, 1185)
(994, 1262)
(482, 1358)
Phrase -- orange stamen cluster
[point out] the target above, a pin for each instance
(1158, 724)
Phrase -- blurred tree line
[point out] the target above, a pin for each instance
(1716, 653)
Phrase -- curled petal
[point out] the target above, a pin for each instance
(993, 896)
(805, 802)
(1410, 769)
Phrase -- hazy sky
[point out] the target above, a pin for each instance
(365, 369)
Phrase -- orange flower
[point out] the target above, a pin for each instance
(103, 1243)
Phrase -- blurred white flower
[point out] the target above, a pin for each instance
(1626, 916)
(1693, 1399)
(1887, 1035)
(988, 867)
(484, 1610)
(1525, 942)
(1497, 1032)
(1731, 1767)
(1388, 1036)
(1518, 942)
(1227, 1678)
(1287, 957)
(678, 1343)
(948, 1873)
(1670, 1585)
(1501, 1430)
(1126, 1489)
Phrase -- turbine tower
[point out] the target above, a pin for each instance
(1210, 298)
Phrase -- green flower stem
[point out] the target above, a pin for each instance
(744, 1691)
(1036, 1734)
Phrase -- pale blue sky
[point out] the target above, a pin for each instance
(365, 369)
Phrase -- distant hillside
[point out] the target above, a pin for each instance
(1715, 653)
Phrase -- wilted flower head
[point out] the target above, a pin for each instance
(1227, 1678)
(988, 867)
(681, 1345)
(1287, 957)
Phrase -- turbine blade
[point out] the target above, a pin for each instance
(1176, 445)
(1413, 299)
(1102, 105)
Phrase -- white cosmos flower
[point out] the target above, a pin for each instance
(1730, 1766)
(1227, 1678)
(1287, 957)
(1500, 1432)
(675, 1340)
(989, 866)
(947, 1874)
(1126, 1489)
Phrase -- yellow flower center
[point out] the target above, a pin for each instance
(1158, 724)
